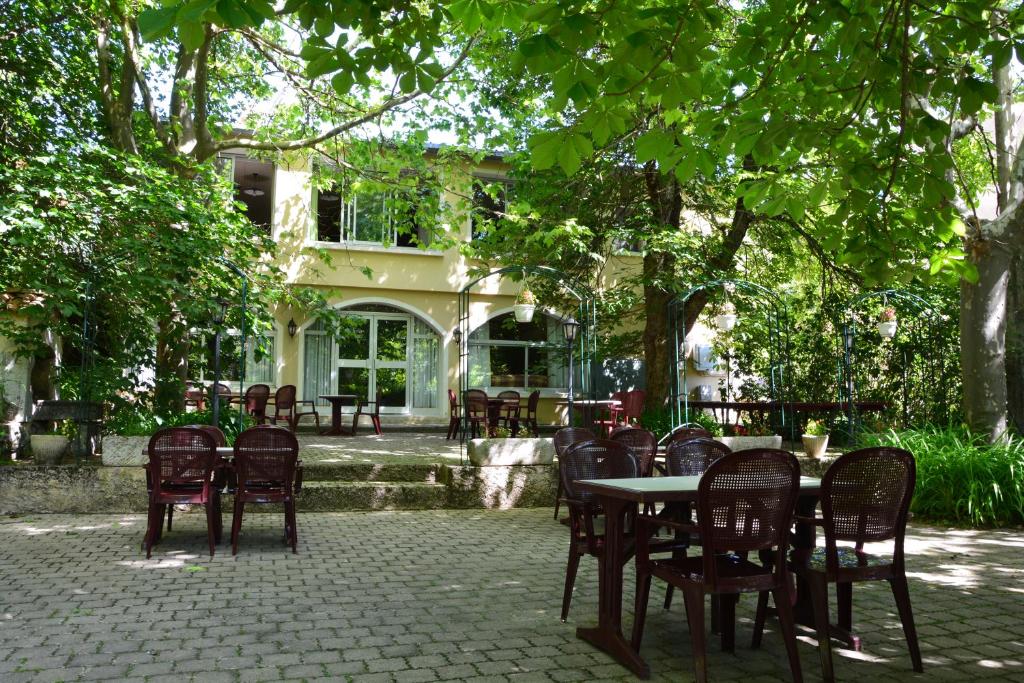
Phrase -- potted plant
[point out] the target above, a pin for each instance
(726, 320)
(887, 323)
(48, 447)
(526, 304)
(815, 438)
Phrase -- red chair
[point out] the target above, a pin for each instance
(608, 418)
(865, 498)
(219, 478)
(196, 397)
(564, 438)
(255, 401)
(633, 407)
(182, 464)
(268, 470)
(531, 416)
(286, 408)
(454, 415)
(373, 413)
(744, 504)
(477, 412)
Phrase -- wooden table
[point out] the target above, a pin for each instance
(617, 497)
(588, 407)
(337, 401)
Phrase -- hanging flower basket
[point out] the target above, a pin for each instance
(727, 319)
(526, 304)
(887, 323)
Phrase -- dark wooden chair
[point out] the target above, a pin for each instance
(564, 438)
(608, 418)
(594, 459)
(508, 414)
(370, 409)
(454, 415)
(181, 469)
(744, 504)
(633, 407)
(865, 498)
(291, 410)
(195, 397)
(255, 402)
(530, 421)
(641, 443)
(476, 412)
(219, 474)
(267, 470)
(684, 432)
(222, 390)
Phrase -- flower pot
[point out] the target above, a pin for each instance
(726, 321)
(48, 449)
(815, 446)
(524, 312)
(887, 329)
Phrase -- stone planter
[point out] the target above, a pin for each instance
(48, 449)
(124, 451)
(887, 329)
(815, 446)
(739, 443)
(508, 452)
(523, 312)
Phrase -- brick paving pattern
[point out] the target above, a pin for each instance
(390, 448)
(434, 595)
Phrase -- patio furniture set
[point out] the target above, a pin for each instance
(734, 507)
(484, 414)
(194, 466)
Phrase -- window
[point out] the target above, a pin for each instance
(260, 367)
(504, 353)
(254, 186)
(388, 219)
(491, 197)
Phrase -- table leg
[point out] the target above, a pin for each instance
(336, 428)
(607, 635)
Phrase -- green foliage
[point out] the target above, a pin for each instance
(961, 479)
(815, 428)
(707, 421)
(657, 420)
(142, 422)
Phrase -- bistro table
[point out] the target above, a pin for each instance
(588, 407)
(337, 401)
(616, 497)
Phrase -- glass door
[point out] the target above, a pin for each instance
(373, 355)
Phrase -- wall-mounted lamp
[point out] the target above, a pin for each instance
(457, 336)
(292, 327)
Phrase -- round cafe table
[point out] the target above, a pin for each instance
(337, 401)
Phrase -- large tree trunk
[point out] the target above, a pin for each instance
(1015, 344)
(658, 357)
(983, 338)
(171, 367)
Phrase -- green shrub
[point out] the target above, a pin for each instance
(961, 478)
(657, 420)
(708, 422)
(144, 423)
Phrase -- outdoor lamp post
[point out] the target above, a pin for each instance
(569, 328)
(219, 315)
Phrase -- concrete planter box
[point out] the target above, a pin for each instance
(509, 452)
(739, 443)
(124, 451)
(815, 445)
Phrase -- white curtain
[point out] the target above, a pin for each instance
(425, 346)
(316, 377)
(480, 357)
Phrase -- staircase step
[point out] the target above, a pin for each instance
(369, 472)
(339, 496)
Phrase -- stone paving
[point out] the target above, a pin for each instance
(395, 448)
(433, 595)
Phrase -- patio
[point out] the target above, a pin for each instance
(437, 598)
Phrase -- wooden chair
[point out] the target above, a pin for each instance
(509, 412)
(531, 415)
(744, 504)
(221, 389)
(564, 438)
(454, 415)
(684, 432)
(865, 498)
(476, 412)
(182, 464)
(196, 397)
(641, 443)
(363, 409)
(608, 418)
(255, 401)
(267, 470)
(633, 407)
(594, 459)
(287, 408)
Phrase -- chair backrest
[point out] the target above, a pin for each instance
(531, 404)
(692, 457)
(453, 402)
(375, 403)
(566, 436)
(256, 397)
(865, 495)
(284, 398)
(181, 455)
(633, 404)
(509, 395)
(215, 432)
(745, 502)
(266, 455)
(476, 402)
(194, 394)
(642, 444)
(595, 459)
(222, 389)
(683, 432)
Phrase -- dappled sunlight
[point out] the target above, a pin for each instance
(396, 448)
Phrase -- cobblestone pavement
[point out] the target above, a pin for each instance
(423, 596)
(397, 448)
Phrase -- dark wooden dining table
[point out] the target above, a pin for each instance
(619, 496)
(337, 401)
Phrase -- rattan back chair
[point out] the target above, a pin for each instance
(565, 437)
(268, 470)
(509, 411)
(530, 420)
(454, 415)
(642, 444)
(255, 401)
(594, 459)
(684, 432)
(692, 457)
(477, 412)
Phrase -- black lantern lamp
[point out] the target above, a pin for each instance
(570, 327)
(457, 336)
(292, 327)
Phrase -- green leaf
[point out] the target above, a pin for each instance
(407, 82)
(156, 23)
(544, 148)
(233, 15)
(191, 34)
(568, 159)
(342, 82)
(652, 144)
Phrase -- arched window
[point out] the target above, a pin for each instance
(505, 353)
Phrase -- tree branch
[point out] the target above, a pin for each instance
(132, 62)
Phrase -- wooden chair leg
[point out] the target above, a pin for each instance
(170, 517)
(693, 596)
(211, 527)
(844, 600)
(668, 595)
(236, 525)
(570, 578)
(819, 600)
(376, 425)
(901, 592)
(784, 607)
(759, 618)
(727, 605)
(152, 525)
(558, 497)
(218, 529)
(643, 594)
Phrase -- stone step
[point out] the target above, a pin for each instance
(426, 473)
(340, 496)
